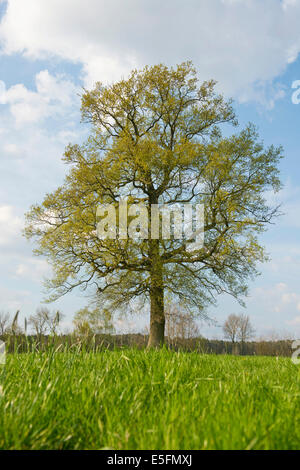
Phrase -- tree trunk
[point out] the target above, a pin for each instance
(157, 318)
(157, 315)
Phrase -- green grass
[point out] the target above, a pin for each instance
(149, 400)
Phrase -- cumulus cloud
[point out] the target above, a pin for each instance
(12, 299)
(16, 260)
(32, 268)
(278, 298)
(53, 96)
(243, 44)
(295, 321)
(10, 225)
(35, 126)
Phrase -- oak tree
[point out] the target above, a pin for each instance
(157, 138)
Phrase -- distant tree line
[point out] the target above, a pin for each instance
(22, 343)
(93, 330)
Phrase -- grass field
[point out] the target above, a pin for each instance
(149, 400)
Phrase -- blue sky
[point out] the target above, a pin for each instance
(50, 50)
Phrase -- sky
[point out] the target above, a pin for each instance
(51, 49)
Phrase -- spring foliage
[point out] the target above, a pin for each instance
(156, 138)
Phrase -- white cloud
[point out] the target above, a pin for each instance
(266, 93)
(295, 321)
(278, 298)
(10, 225)
(32, 269)
(288, 198)
(12, 299)
(290, 297)
(53, 96)
(2, 92)
(287, 3)
(35, 126)
(16, 260)
(243, 44)
(11, 148)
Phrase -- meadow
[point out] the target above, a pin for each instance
(158, 399)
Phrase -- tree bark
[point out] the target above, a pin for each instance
(157, 319)
(157, 315)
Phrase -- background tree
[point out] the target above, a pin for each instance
(53, 321)
(231, 327)
(39, 321)
(238, 327)
(14, 328)
(246, 330)
(156, 138)
(44, 321)
(180, 323)
(4, 322)
(92, 322)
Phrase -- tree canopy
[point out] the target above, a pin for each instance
(157, 138)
